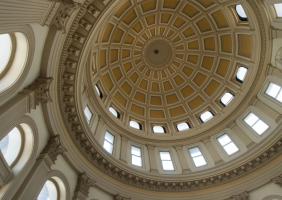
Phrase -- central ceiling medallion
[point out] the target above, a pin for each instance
(158, 53)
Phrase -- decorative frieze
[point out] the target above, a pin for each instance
(66, 8)
(82, 187)
(79, 32)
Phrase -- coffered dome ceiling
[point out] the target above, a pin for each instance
(166, 62)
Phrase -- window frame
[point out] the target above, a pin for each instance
(192, 158)
(12, 56)
(113, 144)
(20, 153)
(171, 160)
(231, 141)
(141, 156)
(249, 131)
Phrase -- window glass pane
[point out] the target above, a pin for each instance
(48, 192)
(182, 126)
(260, 127)
(224, 139)
(114, 112)
(135, 151)
(231, 148)
(278, 9)
(195, 152)
(109, 137)
(98, 91)
(158, 129)
(251, 119)
(87, 113)
(167, 165)
(5, 50)
(10, 145)
(134, 124)
(165, 156)
(273, 90)
(279, 97)
(136, 160)
(206, 116)
(199, 161)
(108, 146)
(227, 98)
(240, 11)
(241, 73)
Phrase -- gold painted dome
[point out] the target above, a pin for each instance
(167, 62)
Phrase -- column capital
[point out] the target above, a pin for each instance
(39, 90)
(53, 149)
(82, 187)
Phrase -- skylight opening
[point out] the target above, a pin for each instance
(256, 123)
(275, 91)
(206, 116)
(228, 145)
(226, 98)
(136, 156)
(278, 9)
(241, 12)
(183, 126)
(166, 161)
(158, 129)
(241, 74)
(108, 142)
(88, 114)
(114, 112)
(5, 50)
(98, 91)
(135, 125)
(197, 157)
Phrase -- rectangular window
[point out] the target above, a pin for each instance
(108, 142)
(197, 157)
(228, 145)
(88, 114)
(136, 156)
(275, 91)
(256, 123)
(166, 161)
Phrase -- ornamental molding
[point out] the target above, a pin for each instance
(82, 187)
(80, 30)
(242, 196)
(119, 197)
(278, 180)
(52, 150)
(39, 91)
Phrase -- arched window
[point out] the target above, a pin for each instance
(135, 124)
(54, 189)
(158, 129)
(206, 116)
(17, 146)
(13, 56)
(5, 52)
(49, 191)
(11, 145)
(183, 126)
(226, 98)
(114, 112)
(241, 12)
(241, 74)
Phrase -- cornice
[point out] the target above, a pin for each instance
(73, 48)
